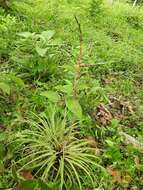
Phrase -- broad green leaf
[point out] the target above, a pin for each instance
(17, 80)
(2, 168)
(28, 185)
(83, 86)
(25, 34)
(48, 34)
(68, 68)
(114, 123)
(2, 151)
(41, 51)
(51, 95)
(110, 143)
(42, 185)
(3, 137)
(95, 89)
(5, 88)
(52, 185)
(68, 88)
(74, 106)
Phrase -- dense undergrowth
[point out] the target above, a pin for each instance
(71, 95)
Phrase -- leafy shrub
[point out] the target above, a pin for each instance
(9, 82)
(37, 54)
(95, 7)
(53, 150)
(4, 4)
(7, 29)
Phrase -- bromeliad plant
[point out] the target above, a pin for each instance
(53, 150)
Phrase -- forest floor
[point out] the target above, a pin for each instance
(85, 57)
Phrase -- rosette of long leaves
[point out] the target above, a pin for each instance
(53, 150)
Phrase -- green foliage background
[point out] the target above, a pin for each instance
(36, 72)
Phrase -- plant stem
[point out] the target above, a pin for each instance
(135, 2)
(78, 62)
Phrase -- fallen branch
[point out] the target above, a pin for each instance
(135, 2)
(131, 140)
(92, 65)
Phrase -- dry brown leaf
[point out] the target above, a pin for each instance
(130, 109)
(17, 187)
(102, 114)
(141, 180)
(119, 108)
(93, 144)
(137, 162)
(2, 127)
(114, 173)
(108, 80)
(91, 141)
(25, 174)
(127, 178)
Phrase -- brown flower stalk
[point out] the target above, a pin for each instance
(78, 62)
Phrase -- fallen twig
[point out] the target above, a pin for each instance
(131, 140)
(135, 2)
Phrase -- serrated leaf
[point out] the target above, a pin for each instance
(51, 95)
(5, 88)
(41, 51)
(74, 106)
